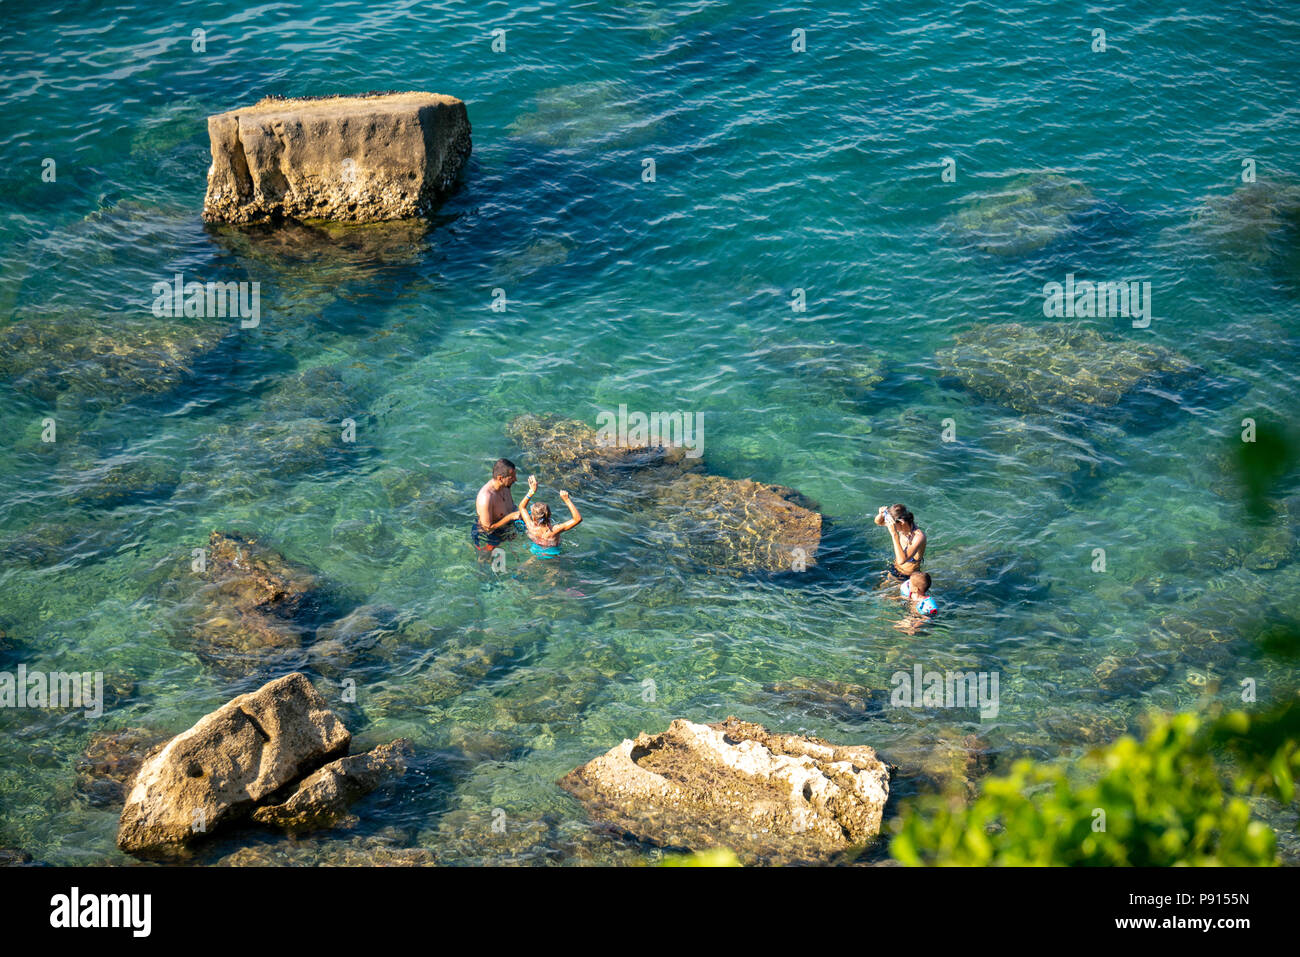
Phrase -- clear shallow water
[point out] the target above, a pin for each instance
(775, 171)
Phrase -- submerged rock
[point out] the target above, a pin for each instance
(1040, 449)
(324, 256)
(460, 663)
(1263, 548)
(546, 696)
(1027, 214)
(111, 482)
(1199, 629)
(340, 644)
(1080, 727)
(126, 246)
(110, 762)
(275, 448)
(943, 760)
(318, 392)
(357, 851)
(299, 428)
(540, 254)
(827, 698)
(13, 857)
(721, 522)
(322, 799)
(1056, 367)
(983, 571)
(1130, 674)
(231, 759)
(575, 448)
(94, 361)
(59, 540)
(583, 115)
(769, 797)
(1256, 226)
(848, 369)
(251, 608)
(344, 158)
(171, 125)
(739, 524)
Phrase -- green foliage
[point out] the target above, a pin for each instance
(1163, 800)
(713, 857)
(1266, 748)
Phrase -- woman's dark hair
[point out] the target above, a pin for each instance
(541, 512)
(901, 514)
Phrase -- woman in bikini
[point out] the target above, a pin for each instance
(545, 537)
(908, 540)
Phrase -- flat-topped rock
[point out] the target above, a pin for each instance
(343, 158)
(769, 797)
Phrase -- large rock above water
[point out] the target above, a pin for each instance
(1057, 367)
(234, 757)
(740, 524)
(345, 158)
(322, 799)
(769, 797)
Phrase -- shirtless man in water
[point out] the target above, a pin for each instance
(495, 507)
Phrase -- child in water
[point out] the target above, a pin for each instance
(545, 537)
(916, 592)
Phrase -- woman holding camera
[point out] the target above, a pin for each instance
(908, 540)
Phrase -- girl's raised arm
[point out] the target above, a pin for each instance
(575, 519)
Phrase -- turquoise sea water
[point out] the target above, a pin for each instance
(775, 170)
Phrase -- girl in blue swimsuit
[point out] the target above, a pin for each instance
(544, 538)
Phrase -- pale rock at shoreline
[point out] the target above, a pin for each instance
(770, 797)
